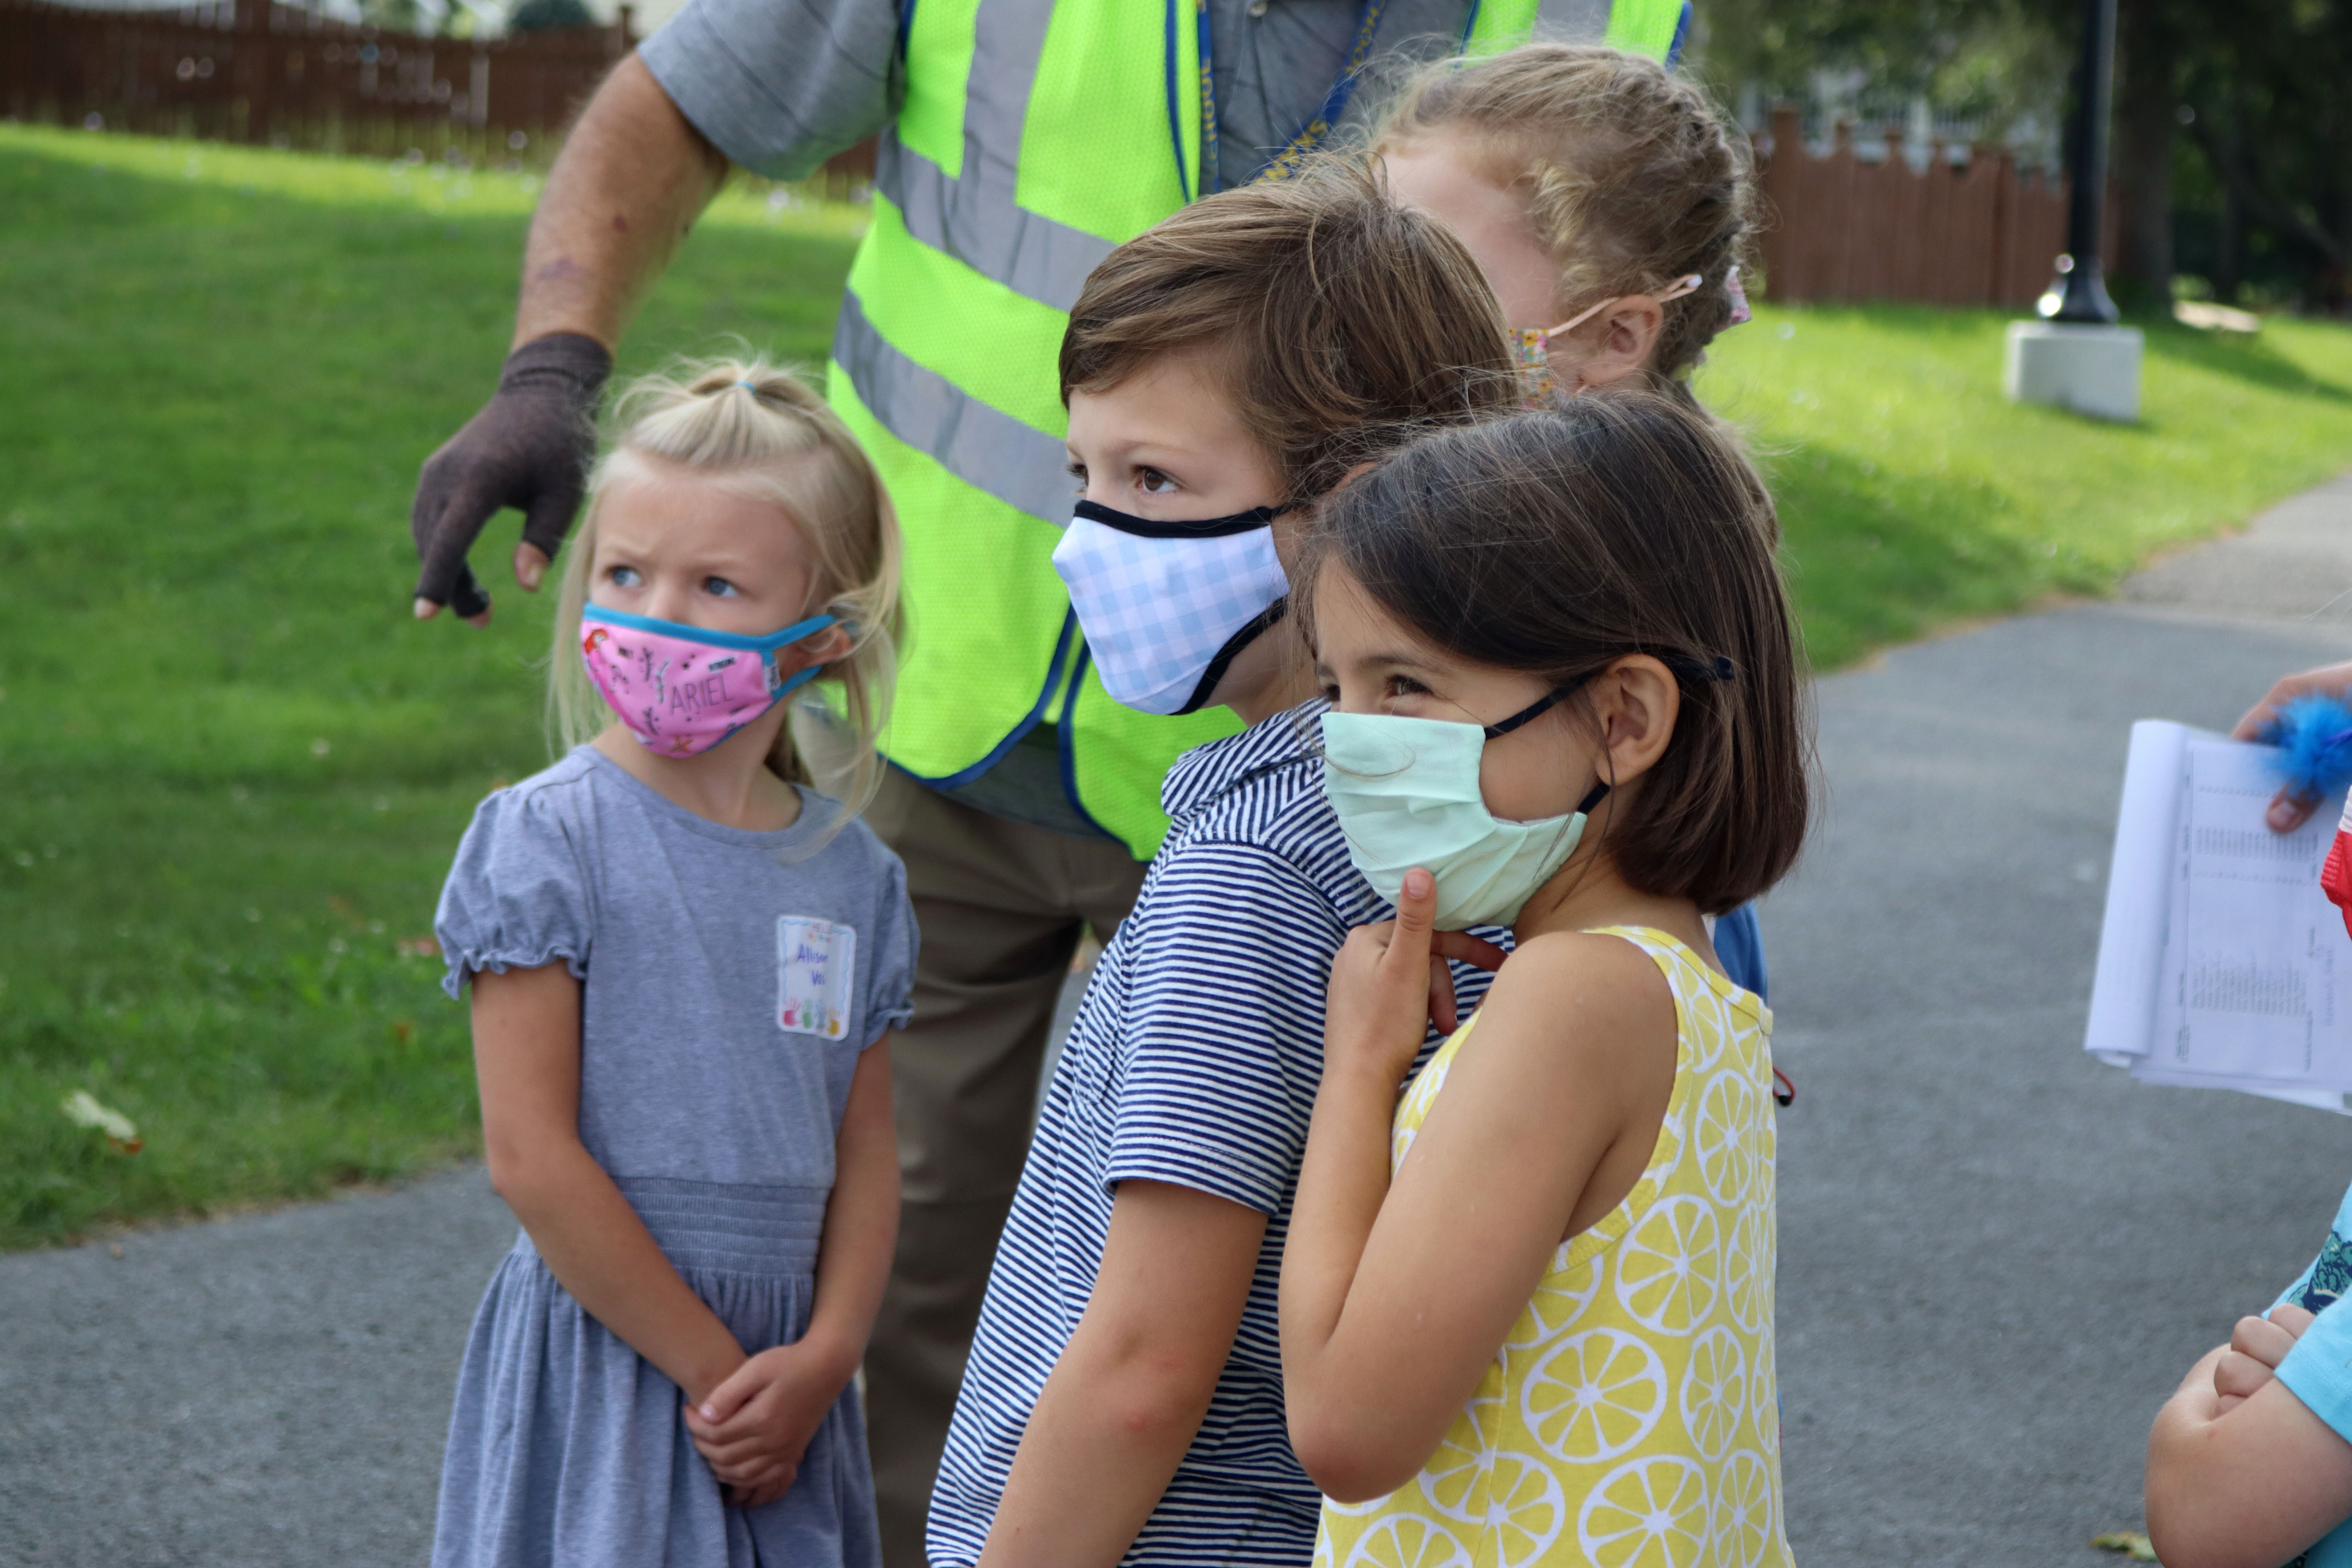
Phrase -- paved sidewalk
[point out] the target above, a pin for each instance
(262, 1391)
(1997, 1257)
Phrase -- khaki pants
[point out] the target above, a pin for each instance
(1000, 907)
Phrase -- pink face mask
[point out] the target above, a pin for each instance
(682, 689)
(1532, 349)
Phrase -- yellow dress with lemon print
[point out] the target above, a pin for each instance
(1632, 1419)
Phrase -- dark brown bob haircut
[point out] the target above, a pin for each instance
(1335, 311)
(1555, 543)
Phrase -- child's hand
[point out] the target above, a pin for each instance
(754, 1427)
(2256, 1347)
(1386, 985)
(1467, 949)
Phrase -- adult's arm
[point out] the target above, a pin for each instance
(632, 178)
(1123, 1403)
(2288, 812)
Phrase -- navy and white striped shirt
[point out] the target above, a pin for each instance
(1194, 1060)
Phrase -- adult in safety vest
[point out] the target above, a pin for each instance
(1020, 142)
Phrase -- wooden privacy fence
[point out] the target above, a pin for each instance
(252, 70)
(1842, 229)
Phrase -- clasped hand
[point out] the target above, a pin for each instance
(1390, 983)
(2257, 1345)
(755, 1427)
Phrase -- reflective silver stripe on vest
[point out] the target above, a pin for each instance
(974, 217)
(989, 450)
(1572, 21)
(1034, 257)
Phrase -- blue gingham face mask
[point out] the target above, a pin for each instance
(1166, 606)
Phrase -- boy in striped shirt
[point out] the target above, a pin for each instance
(1123, 1399)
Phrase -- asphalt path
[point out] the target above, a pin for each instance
(1997, 1257)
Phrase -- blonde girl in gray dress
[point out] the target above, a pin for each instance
(685, 965)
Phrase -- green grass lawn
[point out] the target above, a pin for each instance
(232, 768)
(1912, 494)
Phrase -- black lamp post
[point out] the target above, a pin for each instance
(2079, 294)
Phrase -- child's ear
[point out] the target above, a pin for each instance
(1628, 330)
(1638, 706)
(817, 648)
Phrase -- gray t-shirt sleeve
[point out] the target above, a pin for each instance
(890, 979)
(779, 86)
(516, 896)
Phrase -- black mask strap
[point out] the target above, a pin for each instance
(1241, 639)
(1697, 672)
(1186, 528)
(1537, 708)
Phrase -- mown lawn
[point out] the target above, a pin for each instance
(232, 768)
(1912, 494)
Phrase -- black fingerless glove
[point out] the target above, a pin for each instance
(529, 448)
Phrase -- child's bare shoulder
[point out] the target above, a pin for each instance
(1580, 984)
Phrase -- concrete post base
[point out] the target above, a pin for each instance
(2090, 370)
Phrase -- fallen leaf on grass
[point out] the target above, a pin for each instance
(418, 947)
(2130, 1542)
(83, 1112)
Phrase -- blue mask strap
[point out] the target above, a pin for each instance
(765, 645)
(797, 681)
(784, 639)
(797, 630)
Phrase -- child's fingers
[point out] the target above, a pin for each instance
(2292, 1319)
(739, 1450)
(1475, 951)
(2334, 678)
(1442, 1011)
(741, 1472)
(754, 1475)
(1416, 917)
(722, 1403)
(2261, 1340)
(2238, 1374)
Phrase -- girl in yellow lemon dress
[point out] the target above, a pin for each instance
(1526, 1304)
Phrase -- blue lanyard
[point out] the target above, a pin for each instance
(1306, 138)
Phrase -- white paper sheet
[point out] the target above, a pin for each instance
(2222, 965)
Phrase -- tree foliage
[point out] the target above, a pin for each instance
(2234, 128)
(546, 16)
(1987, 61)
(2268, 137)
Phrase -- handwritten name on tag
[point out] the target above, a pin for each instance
(816, 960)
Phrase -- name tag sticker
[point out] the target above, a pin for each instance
(816, 960)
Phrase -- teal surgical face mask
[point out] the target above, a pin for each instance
(1406, 792)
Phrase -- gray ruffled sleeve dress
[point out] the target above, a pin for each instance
(730, 981)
